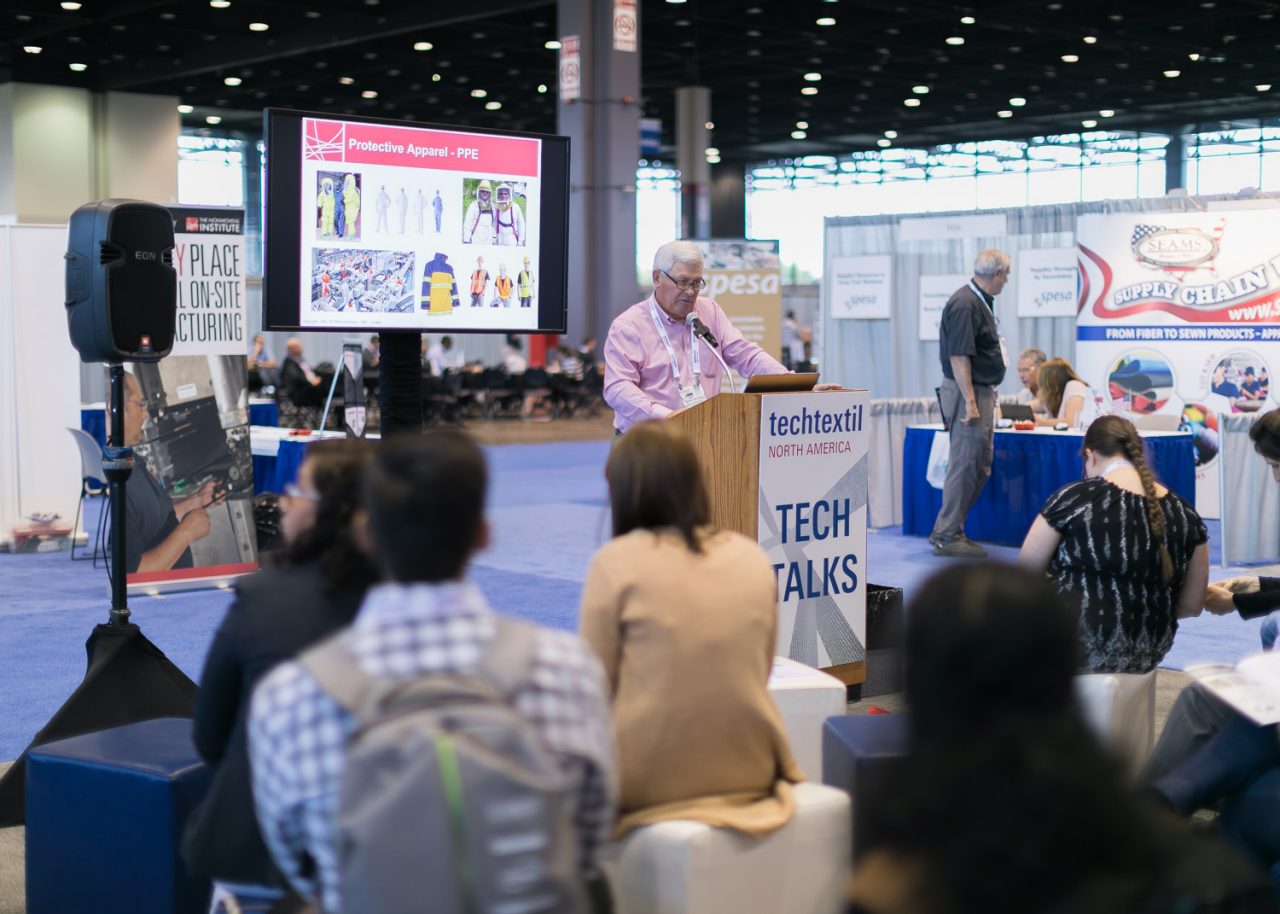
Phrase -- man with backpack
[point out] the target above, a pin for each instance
(435, 756)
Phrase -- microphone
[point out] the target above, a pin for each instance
(701, 329)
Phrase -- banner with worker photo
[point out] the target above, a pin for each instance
(1179, 316)
(812, 521)
(745, 279)
(189, 517)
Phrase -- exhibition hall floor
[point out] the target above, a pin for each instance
(548, 514)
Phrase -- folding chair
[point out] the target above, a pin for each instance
(92, 482)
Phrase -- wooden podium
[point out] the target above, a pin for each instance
(776, 461)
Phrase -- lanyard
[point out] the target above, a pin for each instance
(671, 352)
(1115, 465)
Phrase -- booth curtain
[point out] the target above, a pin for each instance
(1250, 504)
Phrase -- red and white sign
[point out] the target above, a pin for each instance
(414, 147)
(624, 25)
(570, 69)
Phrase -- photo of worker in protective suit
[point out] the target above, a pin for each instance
(494, 212)
(337, 205)
(326, 206)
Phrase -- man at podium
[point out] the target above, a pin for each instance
(658, 357)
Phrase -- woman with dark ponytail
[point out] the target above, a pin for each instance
(1133, 554)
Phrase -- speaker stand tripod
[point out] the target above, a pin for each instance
(128, 678)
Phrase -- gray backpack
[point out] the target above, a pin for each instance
(450, 801)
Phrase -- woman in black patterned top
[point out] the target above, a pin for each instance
(1134, 554)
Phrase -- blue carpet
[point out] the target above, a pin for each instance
(548, 513)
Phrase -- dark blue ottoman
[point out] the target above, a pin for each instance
(105, 813)
(857, 750)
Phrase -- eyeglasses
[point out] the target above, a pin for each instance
(684, 285)
(294, 493)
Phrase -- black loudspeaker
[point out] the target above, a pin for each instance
(121, 286)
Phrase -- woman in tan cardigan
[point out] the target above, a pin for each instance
(684, 618)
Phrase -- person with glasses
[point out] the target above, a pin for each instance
(654, 365)
(158, 529)
(310, 587)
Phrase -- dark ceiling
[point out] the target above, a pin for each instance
(753, 54)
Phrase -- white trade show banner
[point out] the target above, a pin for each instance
(1180, 316)
(934, 292)
(1048, 282)
(813, 521)
(860, 287)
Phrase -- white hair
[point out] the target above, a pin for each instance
(990, 262)
(673, 252)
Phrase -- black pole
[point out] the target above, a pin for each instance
(400, 382)
(117, 464)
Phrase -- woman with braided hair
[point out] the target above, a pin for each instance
(1134, 555)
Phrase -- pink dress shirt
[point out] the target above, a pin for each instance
(637, 370)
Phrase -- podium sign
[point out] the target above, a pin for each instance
(812, 521)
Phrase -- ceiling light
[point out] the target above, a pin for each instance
(32, 48)
(185, 109)
(798, 134)
(813, 77)
(826, 20)
(891, 134)
(1090, 39)
(1106, 112)
(478, 93)
(1017, 101)
(220, 4)
(435, 77)
(542, 88)
(1070, 58)
(1263, 87)
(911, 102)
(713, 160)
(1172, 74)
(258, 26)
(78, 67)
(920, 90)
(955, 39)
(1089, 124)
(675, 1)
(712, 151)
(802, 125)
(551, 45)
(70, 6)
(710, 125)
(231, 81)
(1005, 113)
(883, 144)
(967, 20)
(422, 46)
(809, 90)
(1193, 57)
(492, 106)
(369, 93)
(346, 80)
(213, 120)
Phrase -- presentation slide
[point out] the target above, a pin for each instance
(416, 228)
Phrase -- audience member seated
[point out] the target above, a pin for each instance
(1006, 802)
(1133, 554)
(371, 355)
(261, 364)
(307, 590)
(425, 499)
(1029, 363)
(445, 357)
(301, 384)
(1060, 393)
(513, 360)
(159, 530)
(685, 618)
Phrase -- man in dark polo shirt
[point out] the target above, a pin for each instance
(973, 364)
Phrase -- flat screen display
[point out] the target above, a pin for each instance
(390, 225)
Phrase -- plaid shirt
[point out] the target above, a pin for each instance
(298, 734)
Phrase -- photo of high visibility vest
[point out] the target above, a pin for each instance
(525, 279)
(479, 279)
(439, 288)
(503, 286)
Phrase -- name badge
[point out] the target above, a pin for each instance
(1004, 353)
(692, 395)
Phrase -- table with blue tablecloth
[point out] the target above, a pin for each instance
(1028, 467)
(277, 454)
(93, 416)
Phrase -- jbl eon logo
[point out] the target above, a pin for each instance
(146, 255)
